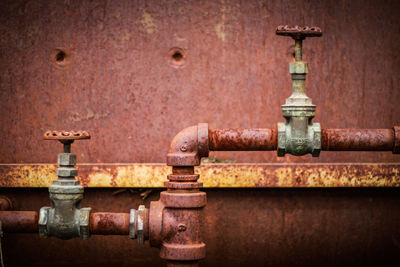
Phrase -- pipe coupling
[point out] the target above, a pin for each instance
(189, 146)
(139, 224)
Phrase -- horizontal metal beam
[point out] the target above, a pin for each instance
(212, 175)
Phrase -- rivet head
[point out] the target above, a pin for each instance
(183, 148)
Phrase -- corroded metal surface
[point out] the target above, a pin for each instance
(242, 139)
(288, 227)
(101, 223)
(108, 223)
(179, 233)
(20, 221)
(213, 175)
(358, 139)
(298, 32)
(66, 135)
(135, 73)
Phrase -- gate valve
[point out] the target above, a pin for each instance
(65, 218)
(299, 135)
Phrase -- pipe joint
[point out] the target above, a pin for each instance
(189, 146)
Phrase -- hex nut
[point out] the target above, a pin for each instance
(298, 67)
(132, 223)
(140, 224)
(43, 219)
(66, 172)
(84, 217)
(66, 159)
(281, 139)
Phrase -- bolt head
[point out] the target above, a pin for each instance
(66, 159)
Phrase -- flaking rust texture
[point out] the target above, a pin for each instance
(213, 175)
(135, 73)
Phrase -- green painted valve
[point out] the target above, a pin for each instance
(299, 135)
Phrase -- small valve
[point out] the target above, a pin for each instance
(65, 218)
(299, 135)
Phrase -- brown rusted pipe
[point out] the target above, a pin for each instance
(19, 221)
(358, 139)
(109, 223)
(242, 139)
(101, 223)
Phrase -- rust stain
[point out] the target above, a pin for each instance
(148, 23)
(212, 175)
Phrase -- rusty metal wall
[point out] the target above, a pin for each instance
(134, 73)
(244, 227)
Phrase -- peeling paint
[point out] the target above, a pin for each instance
(212, 175)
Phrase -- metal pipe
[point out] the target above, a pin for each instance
(20, 221)
(358, 139)
(332, 139)
(242, 139)
(109, 223)
(101, 223)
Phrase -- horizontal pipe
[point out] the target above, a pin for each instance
(242, 139)
(357, 139)
(109, 223)
(101, 223)
(19, 221)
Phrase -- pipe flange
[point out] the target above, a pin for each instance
(396, 146)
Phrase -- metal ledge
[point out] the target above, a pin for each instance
(212, 175)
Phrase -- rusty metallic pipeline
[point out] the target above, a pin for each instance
(332, 139)
(360, 140)
(19, 221)
(242, 139)
(109, 223)
(101, 223)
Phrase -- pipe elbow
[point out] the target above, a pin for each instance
(189, 146)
